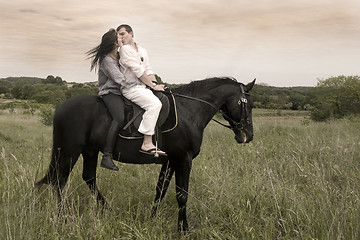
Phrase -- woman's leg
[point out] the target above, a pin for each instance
(115, 106)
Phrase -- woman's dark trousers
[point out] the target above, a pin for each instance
(115, 105)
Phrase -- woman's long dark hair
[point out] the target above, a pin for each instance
(108, 43)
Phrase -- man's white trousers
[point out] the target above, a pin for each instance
(145, 99)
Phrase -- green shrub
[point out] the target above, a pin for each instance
(47, 115)
(320, 115)
(11, 107)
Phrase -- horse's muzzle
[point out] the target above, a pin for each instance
(244, 136)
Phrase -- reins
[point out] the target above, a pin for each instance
(224, 125)
(206, 102)
(196, 99)
(242, 100)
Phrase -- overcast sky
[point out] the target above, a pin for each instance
(279, 42)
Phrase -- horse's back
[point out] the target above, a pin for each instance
(75, 118)
(78, 104)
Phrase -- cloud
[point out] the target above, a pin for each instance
(203, 36)
(238, 19)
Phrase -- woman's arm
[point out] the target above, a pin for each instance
(112, 70)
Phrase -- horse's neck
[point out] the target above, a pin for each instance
(216, 96)
(201, 112)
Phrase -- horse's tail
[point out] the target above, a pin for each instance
(51, 176)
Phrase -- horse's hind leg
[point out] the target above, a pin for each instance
(89, 174)
(63, 167)
(162, 186)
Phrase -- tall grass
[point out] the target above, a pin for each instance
(296, 180)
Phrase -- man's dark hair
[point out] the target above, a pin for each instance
(127, 28)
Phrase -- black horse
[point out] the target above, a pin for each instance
(81, 124)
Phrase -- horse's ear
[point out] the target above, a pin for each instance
(249, 86)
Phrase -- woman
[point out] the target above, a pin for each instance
(105, 59)
(140, 78)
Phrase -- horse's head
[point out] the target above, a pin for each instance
(238, 112)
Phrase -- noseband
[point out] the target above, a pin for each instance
(241, 102)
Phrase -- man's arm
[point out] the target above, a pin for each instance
(129, 58)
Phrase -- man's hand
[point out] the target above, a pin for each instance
(159, 87)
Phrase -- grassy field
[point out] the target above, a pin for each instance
(297, 180)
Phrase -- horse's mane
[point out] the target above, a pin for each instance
(202, 85)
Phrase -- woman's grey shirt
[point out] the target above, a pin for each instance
(110, 79)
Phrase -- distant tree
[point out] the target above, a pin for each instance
(49, 79)
(58, 80)
(4, 89)
(16, 91)
(53, 80)
(158, 79)
(81, 89)
(27, 91)
(336, 97)
(297, 101)
(48, 96)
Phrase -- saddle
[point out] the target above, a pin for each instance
(133, 116)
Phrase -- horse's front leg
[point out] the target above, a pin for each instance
(89, 174)
(162, 186)
(182, 175)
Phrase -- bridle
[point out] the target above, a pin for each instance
(234, 124)
(244, 119)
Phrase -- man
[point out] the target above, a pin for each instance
(134, 64)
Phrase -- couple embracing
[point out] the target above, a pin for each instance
(123, 69)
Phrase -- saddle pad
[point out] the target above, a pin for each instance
(133, 116)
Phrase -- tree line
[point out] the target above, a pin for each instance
(334, 97)
(51, 90)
